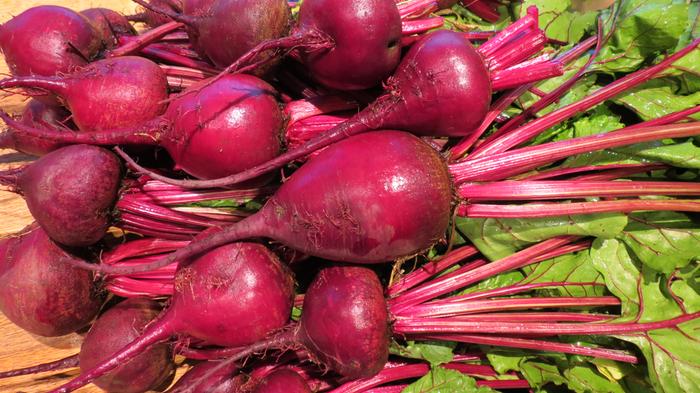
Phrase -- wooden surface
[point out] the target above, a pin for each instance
(17, 347)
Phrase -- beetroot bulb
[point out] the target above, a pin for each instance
(371, 198)
(109, 24)
(227, 127)
(109, 93)
(233, 296)
(70, 192)
(282, 381)
(37, 114)
(47, 40)
(117, 327)
(40, 291)
(224, 30)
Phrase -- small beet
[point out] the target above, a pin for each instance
(38, 114)
(118, 92)
(110, 24)
(47, 40)
(71, 192)
(39, 289)
(117, 327)
(282, 381)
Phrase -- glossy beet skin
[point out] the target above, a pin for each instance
(46, 40)
(40, 291)
(71, 192)
(118, 92)
(109, 24)
(282, 381)
(228, 126)
(231, 296)
(117, 327)
(233, 27)
(39, 115)
(366, 36)
(345, 322)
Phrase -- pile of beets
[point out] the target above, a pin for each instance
(230, 181)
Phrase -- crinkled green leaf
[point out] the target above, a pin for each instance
(539, 373)
(584, 378)
(499, 237)
(434, 352)
(644, 28)
(686, 285)
(559, 20)
(671, 353)
(504, 360)
(662, 240)
(441, 380)
(575, 267)
(497, 281)
(654, 102)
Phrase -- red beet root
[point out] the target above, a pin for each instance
(40, 291)
(39, 115)
(117, 327)
(109, 93)
(47, 40)
(227, 127)
(219, 298)
(71, 192)
(110, 24)
(283, 381)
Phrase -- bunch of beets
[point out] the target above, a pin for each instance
(232, 184)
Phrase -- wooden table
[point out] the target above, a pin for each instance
(17, 347)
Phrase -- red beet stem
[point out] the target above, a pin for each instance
(135, 44)
(68, 362)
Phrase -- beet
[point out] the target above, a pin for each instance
(109, 24)
(371, 198)
(117, 327)
(345, 322)
(71, 192)
(40, 291)
(232, 296)
(109, 93)
(426, 96)
(282, 381)
(229, 126)
(47, 40)
(218, 36)
(38, 114)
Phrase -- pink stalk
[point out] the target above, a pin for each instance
(503, 165)
(415, 8)
(538, 345)
(454, 326)
(418, 26)
(184, 72)
(304, 130)
(558, 172)
(174, 58)
(521, 26)
(140, 248)
(618, 173)
(129, 287)
(505, 142)
(562, 189)
(431, 269)
(137, 43)
(512, 290)
(447, 284)
(308, 107)
(564, 209)
(176, 36)
(169, 195)
(511, 78)
(451, 307)
(550, 316)
(157, 212)
(485, 9)
(517, 51)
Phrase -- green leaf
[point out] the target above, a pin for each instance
(671, 355)
(644, 29)
(584, 378)
(651, 101)
(559, 20)
(539, 373)
(434, 352)
(504, 360)
(686, 285)
(441, 380)
(497, 238)
(662, 240)
(575, 267)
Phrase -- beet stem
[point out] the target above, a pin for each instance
(68, 362)
(135, 44)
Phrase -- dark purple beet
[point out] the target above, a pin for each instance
(441, 88)
(39, 115)
(110, 24)
(283, 381)
(231, 296)
(40, 291)
(223, 380)
(117, 327)
(118, 92)
(46, 40)
(371, 198)
(71, 192)
(366, 34)
(229, 126)
(345, 322)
